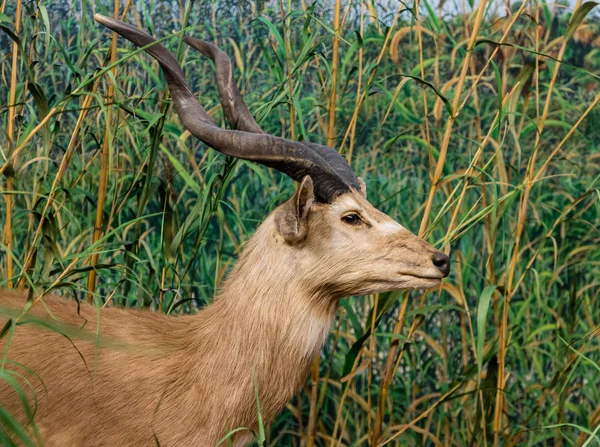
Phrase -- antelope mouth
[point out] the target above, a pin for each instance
(411, 275)
(420, 282)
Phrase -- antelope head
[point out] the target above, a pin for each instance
(344, 244)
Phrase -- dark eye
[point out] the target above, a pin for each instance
(352, 219)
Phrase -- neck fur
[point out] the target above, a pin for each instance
(274, 299)
(266, 326)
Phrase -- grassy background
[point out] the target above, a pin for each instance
(491, 152)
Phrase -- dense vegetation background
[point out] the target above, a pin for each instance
(474, 124)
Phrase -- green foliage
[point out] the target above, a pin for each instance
(177, 214)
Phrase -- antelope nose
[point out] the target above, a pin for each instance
(442, 262)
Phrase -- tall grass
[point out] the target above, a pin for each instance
(475, 125)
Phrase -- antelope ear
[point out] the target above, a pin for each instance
(291, 219)
(363, 186)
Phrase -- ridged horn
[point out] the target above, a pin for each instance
(330, 173)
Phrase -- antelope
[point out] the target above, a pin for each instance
(120, 377)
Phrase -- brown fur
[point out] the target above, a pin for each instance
(187, 379)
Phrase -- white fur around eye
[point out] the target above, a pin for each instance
(389, 226)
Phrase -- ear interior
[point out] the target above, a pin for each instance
(291, 219)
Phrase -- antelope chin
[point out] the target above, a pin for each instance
(419, 282)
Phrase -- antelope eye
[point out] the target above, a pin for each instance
(352, 219)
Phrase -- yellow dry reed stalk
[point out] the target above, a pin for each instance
(372, 359)
(489, 242)
(422, 67)
(373, 15)
(399, 35)
(452, 231)
(390, 368)
(345, 393)
(390, 364)
(349, 158)
(466, 64)
(564, 140)
(336, 338)
(489, 233)
(312, 415)
(104, 163)
(346, 14)
(45, 292)
(8, 163)
(412, 423)
(8, 238)
(168, 219)
(388, 376)
(372, 76)
(314, 391)
(521, 218)
(359, 83)
(450, 124)
(330, 142)
(559, 220)
(338, 419)
(66, 160)
(468, 174)
(213, 21)
(502, 40)
(334, 74)
(288, 62)
(537, 63)
(317, 63)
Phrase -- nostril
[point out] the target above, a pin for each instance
(440, 259)
(442, 262)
